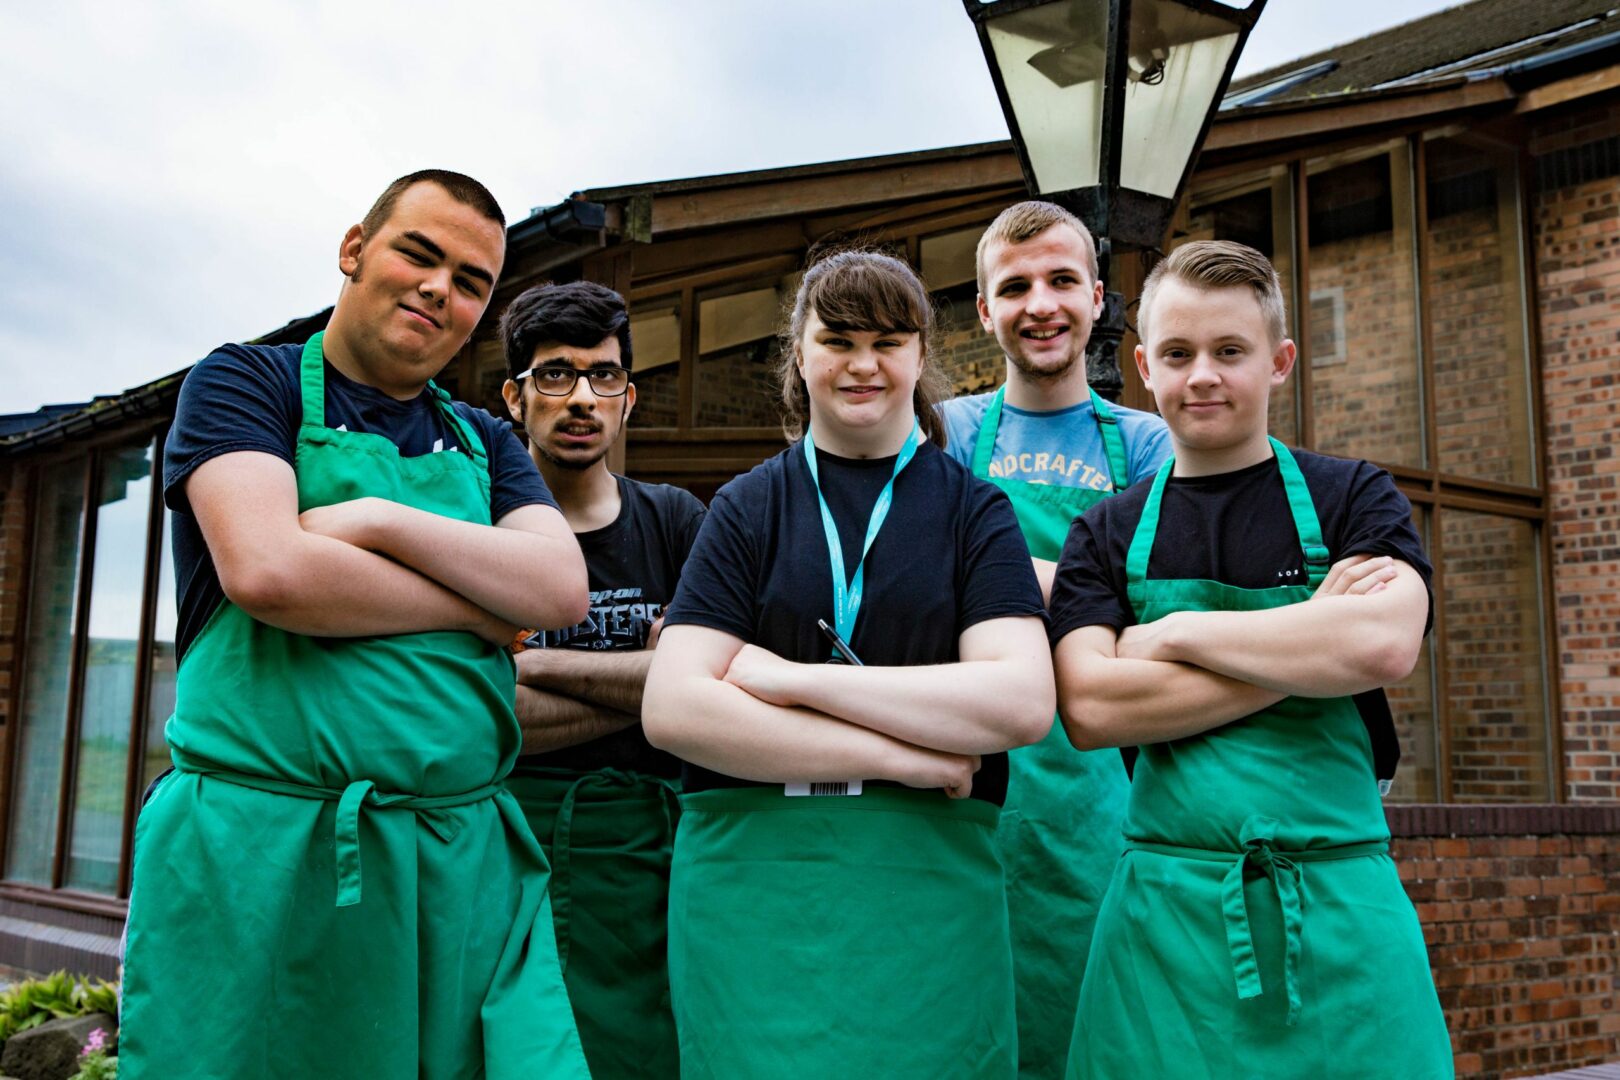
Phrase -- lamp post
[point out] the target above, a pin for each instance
(1108, 102)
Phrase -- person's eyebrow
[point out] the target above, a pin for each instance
(470, 269)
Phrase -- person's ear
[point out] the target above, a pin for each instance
(1282, 361)
(349, 251)
(984, 314)
(512, 394)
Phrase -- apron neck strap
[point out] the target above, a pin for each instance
(312, 387)
(1107, 426)
(1307, 525)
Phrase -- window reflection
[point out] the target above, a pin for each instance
(737, 353)
(1361, 315)
(42, 723)
(655, 338)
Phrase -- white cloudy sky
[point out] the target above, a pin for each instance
(177, 174)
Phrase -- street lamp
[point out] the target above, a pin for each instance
(1108, 102)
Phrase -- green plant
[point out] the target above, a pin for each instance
(94, 1061)
(29, 1004)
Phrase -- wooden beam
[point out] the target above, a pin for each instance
(1306, 122)
(682, 210)
(1571, 89)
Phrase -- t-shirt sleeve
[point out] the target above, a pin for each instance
(719, 583)
(688, 516)
(1378, 521)
(1085, 590)
(514, 481)
(998, 579)
(235, 399)
(962, 417)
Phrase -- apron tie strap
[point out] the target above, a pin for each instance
(1284, 870)
(562, 839)
(351, 800)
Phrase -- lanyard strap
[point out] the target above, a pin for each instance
(847, 591)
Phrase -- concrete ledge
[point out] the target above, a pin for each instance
(37, 946)
(1520, 819)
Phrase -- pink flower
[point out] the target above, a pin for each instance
(95, 1044)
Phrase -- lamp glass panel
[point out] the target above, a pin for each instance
(1051, 60)
(1177, 59)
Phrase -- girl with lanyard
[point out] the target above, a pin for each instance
(835, 898)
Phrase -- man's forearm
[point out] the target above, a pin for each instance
(613, 679)
(1113, 702)
(553, 721)
(1330, 647)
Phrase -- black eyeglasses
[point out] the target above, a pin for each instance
(559, 381)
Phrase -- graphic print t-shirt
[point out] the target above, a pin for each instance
(634, 565)
(1062, 447)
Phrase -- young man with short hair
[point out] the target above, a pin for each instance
(600, 799)
(353, 552)
(1224, 617)
(1056, 448)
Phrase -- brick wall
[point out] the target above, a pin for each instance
(1520, 917)
(1577, 246)
(970, 358)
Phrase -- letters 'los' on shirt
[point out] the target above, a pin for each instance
(949, 557)
(633, 564)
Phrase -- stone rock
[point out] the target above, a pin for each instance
(51, 1051)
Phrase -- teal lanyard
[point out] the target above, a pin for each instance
(847, 592)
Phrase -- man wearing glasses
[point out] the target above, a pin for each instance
(599, 797)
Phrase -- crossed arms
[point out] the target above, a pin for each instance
(370, 566)
(746, 712)
(1194, 671)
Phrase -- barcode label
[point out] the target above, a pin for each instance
(824, 787)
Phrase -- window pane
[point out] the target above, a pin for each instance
(1257, 210)
(655, 338)
(1494, 660)
(160, 699)
(1361, 316)
(1482, 392)
(949, 258)
(737, 354)
(49, 644)
(116, 581)
(1412, 702)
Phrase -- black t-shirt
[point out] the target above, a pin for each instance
(1234, 528)
(249, 397)
(949, 556)
(634, 565)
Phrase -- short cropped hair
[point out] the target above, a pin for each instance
(1025, 221)
(1219, 264)
(580, 314)
(464, 189)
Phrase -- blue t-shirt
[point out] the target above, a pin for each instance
(249, 397)
(1062, 447)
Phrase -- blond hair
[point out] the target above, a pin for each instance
(1025, 221)
(1219, 264)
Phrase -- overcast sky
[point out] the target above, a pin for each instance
(175, 175)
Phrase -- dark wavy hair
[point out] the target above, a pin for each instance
(580, 314)
(862, 289)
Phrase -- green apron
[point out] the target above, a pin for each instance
(257, 947)
(1060, 829)
(1256, 926)
(608, 835)
(861, 935)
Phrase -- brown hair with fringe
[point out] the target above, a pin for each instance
(862, 289)
(1219, 264)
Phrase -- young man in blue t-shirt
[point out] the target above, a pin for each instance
(1055, 447)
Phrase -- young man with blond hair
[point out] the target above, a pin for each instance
(1222, 618)
(1056, 448)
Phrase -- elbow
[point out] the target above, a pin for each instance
(661, 714)
(1390, 661)
(1033, 720)
(263, 590)
(567, 601)
(1084, 724)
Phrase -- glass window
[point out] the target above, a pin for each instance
(1361, 315)
(1477, 319)
(116, 580)
(949, 258)
(1495, 662)
(160, 694)
(42, 719)
(1412, 702)
(655, 338)
(737, 354)
(1256, 209)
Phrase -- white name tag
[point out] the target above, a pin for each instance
(824, 787)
